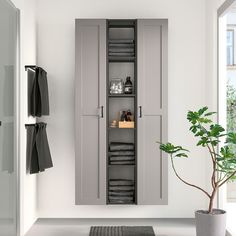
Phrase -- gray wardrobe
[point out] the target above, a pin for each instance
(106, 50)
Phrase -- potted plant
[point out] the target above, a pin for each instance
(210, 222)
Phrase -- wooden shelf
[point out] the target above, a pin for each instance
(121, 95)
(113, 203)
(117, 128)
(117, 23)
(111, 165)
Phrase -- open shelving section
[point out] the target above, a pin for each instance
(121, 142)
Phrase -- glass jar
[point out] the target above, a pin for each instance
(116, 86)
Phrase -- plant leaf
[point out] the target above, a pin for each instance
(231, 138)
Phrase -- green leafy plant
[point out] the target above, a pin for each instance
(231, 109)
(209, 135)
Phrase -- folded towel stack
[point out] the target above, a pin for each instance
(121, 153)
(121, 48)
(121, 191)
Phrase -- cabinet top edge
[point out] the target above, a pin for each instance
(121, 19)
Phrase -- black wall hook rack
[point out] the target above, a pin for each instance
(32, 67)
(35, 124)
(30, 125)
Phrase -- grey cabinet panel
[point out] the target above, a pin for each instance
(90, 100)
(152, 98)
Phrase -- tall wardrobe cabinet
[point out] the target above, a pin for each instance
(107, 52)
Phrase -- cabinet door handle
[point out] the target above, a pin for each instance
(0, 123)
(102, 115)
(140, 112)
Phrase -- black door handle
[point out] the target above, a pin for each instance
(0, 123)
(140, 112)
(102, 115)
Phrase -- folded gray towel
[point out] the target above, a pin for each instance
(119, 188)
(121, 194)
(130, 162)
(122, 162)
(121, 182)
(121, 198)
(119, 146)
(121, 158)
(115, 49)
(121, 153)
(121, 202)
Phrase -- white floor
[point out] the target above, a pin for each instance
(231, 216)
(80, 227)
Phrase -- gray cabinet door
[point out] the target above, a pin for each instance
(90, 118)
(152, 102)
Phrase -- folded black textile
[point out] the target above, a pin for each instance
(118, 146)
(121, 198)
(122, 163)
(115, 49)
(121, 182)
(119, 194)
(121, 191)
(121, 158)
(121, 45)
(120, 188)
(121, 201)
(38, 152)
(121, 153)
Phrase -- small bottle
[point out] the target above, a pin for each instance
(129, 115)
(128, 86)
(123, 116)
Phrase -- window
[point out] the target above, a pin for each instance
(230, 47)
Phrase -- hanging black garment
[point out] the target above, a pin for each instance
(38, 152)
(32, 164)
(38, 93)
(45, 160)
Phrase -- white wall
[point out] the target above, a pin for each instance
(28, 183)
(211, 51)
(187, 90)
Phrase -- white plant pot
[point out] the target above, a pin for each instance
(210, 224)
